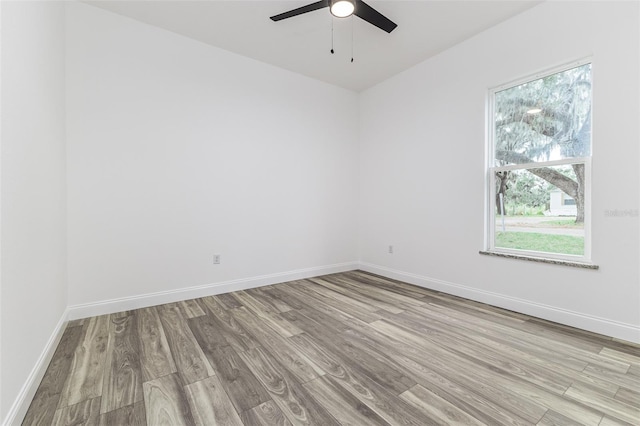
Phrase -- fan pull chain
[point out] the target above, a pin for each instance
(332, 36)
(351, 38)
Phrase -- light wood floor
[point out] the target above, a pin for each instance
(349, 348)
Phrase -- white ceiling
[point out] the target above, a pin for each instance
(302, 44)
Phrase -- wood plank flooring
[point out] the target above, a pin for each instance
(343, 349)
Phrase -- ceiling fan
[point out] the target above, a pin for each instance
(342, 9)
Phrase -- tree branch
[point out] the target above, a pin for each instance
(554, 177)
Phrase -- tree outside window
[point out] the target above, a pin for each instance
(541, 152)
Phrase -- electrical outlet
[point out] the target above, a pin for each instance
(390, 249)
(216, 259)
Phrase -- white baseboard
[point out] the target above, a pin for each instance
(628, 332)
(21, 404)
(159, 298)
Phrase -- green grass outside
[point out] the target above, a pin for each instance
(562, 223)
(565, 244)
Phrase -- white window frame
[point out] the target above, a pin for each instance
(491, 169)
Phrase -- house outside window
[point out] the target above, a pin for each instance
(539, 165)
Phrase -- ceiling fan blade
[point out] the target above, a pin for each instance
(373, 17)
(299, 11)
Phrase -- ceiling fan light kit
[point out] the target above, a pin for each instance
(342, 8)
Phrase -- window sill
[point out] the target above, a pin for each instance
(541, 260)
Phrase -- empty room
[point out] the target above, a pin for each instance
(320, 213)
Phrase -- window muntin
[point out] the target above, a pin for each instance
(539, 166)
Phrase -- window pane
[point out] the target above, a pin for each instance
(544, 120)
(541, 209)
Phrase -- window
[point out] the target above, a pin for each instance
(539, 166)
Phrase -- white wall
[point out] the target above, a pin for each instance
(422, 167)
(33, 249)
(178, 150)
